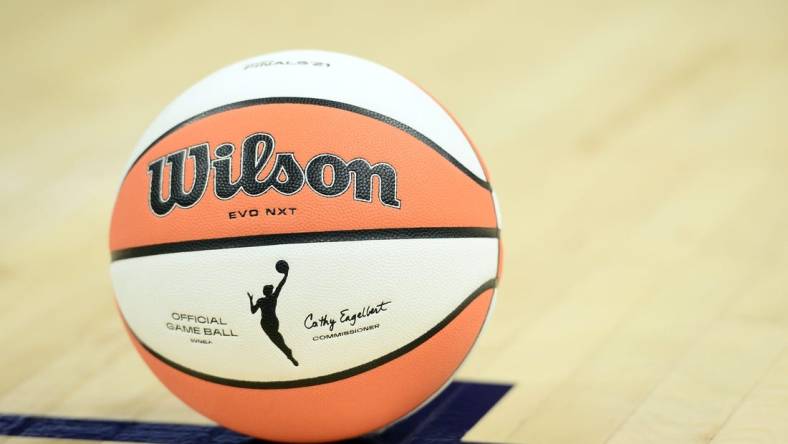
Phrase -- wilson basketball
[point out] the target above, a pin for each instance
(304, 246)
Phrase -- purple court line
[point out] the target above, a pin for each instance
(444, 420)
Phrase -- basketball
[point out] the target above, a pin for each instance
(282, 267)
(305, 246)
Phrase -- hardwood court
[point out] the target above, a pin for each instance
(638, 150)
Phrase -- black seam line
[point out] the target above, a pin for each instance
(302, 238)
(333, 376)
(330, 104)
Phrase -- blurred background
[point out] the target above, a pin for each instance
(639, 151)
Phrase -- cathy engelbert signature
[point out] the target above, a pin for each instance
(345, 316)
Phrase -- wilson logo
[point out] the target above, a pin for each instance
(286, 176)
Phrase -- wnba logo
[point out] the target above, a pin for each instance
(286, 177)
(267, 306)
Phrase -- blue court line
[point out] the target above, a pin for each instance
(444, 420)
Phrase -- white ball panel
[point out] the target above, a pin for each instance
(425, 280)
(347, 79)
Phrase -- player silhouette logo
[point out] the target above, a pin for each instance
(267, 307)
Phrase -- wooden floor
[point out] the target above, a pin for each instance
(639, 150)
